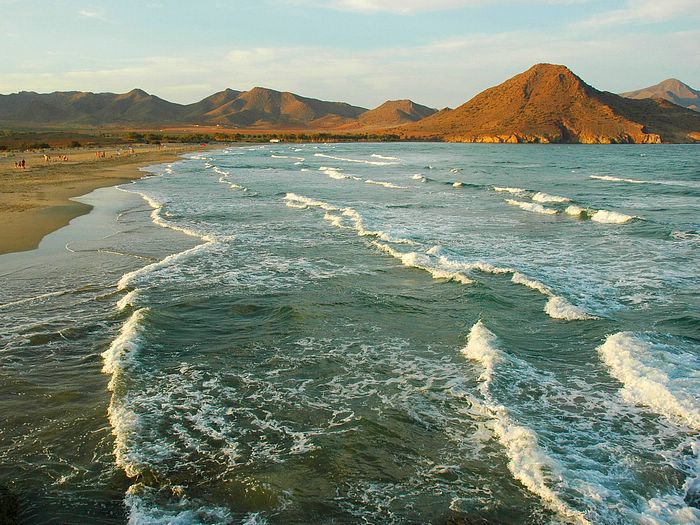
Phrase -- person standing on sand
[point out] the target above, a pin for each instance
(23, 164)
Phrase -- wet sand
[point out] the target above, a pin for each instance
(37, 200)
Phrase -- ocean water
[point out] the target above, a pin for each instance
(364, 333)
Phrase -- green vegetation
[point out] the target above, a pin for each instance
(33, 140)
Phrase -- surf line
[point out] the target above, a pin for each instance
(528, 462)
(439, 266)
(121, 356)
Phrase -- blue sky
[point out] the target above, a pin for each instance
(436, 52)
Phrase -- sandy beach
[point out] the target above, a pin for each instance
(36, 201)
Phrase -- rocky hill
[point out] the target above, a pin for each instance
(672, 90)
(549, 103)
(394, 112)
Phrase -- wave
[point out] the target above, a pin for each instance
(629, 357)
(546, 197)
(224, 179)
(529, 206)
(146, 507)
(528, 462)
(383, 157)
(666, 383)
(359, 161)
(333, 173)
(508, 189)
(419, 177)
(576, 211)
(298, 201)
(116, 359)
(457, 184)
(610, 217)
(156, 218)
(385, 184)
(556, 307)
(423, 262)
(35, 298)
(300, 159)
(620, 179)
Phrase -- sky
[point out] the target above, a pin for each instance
(436, 52)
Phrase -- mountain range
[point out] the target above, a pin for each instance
(672, 90)
(546, 103)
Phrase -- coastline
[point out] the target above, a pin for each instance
(37, 201)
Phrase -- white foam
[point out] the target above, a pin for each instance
(333, 173)
(124, 346)
(457, 184)
(527, 461)
(298, 201)
(424, 262)
(559, 308)
(385, 184)
(419, 177)
(124, 422)
(359, 161)
(519, 278)
(546, 197)
(575, 211)
(129, 277)
(627, 356)
(611, 217)
(157, 219)
(299, 159)
(619, 179)
(507, 189)
(224, 180)
(383, 157)
(146, 507)
(556, 307)
(529, 206)
(127, 300)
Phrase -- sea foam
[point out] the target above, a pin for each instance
(358, 161)
(546, 197)
(629, 357)
(528, 462)
(533, 207)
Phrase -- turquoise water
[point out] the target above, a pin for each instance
(364, 333)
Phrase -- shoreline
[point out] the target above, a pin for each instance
(38, 201)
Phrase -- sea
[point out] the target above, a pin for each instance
(375, 333)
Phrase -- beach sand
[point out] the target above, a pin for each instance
(36, 201)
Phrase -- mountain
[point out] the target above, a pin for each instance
(549, 103)
(672, 90)
(257, 108)
(82, 108)
(267, 108)
(394, 113)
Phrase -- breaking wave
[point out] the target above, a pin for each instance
(630, 359)
(528, 462)
(533, 207)
(546, 197)
(358, 161)
(611, 217)
(338, 218)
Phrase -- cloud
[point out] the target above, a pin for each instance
(407, 7)
(464, 67)
(88, 13)
(644, 12)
